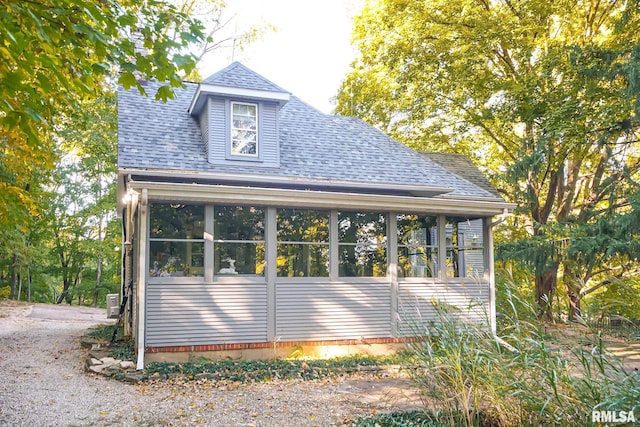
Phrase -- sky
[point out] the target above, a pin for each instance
(308, 54)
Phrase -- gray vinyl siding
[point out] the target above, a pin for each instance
(326, 311)
(198, 314)
(218, 118)
(219, 134)
(204, 127)
(416, 304)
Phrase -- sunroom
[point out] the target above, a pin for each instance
(255, 224)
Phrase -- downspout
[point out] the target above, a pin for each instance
(492, 278)
(142, 273)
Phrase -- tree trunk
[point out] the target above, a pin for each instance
(573, 292)
(545, 289)
(14, 277)
(99, 266)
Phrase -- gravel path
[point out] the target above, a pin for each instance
(42, 383)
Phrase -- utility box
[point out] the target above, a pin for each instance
(113, 308)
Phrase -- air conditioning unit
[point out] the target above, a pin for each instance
(113, 308)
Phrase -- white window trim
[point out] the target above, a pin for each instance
(231, 128)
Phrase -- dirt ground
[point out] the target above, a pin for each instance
(43, 383)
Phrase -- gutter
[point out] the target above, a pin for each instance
(247, 178)
(503, 218)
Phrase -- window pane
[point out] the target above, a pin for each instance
(238, 223)
(465, 251)
(301, 260)
(238, 258)
(364, 228)
(176, 259)
(363, 244)
(244, 129)
(303, 225)
(417, 245)
(417, 261)
(362, 261)
(176, 221)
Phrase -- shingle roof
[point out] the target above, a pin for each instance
(313, 145)
(462, 166)
(237, 75)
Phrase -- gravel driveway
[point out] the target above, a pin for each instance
(42, 383)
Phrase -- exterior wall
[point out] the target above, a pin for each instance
(469, 300)
(218, 314)
(336, 310)
(218, 110)
(195, 314)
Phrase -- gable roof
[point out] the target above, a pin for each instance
(316, 149)
(237, 75)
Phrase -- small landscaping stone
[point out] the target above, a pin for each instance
(88, 342)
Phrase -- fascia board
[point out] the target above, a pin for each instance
(315, 199)
(208, 89)
(244, 179)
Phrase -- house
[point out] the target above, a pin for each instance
(254, 224)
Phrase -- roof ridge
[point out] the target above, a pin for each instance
(238, 74)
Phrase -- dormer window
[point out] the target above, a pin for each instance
(244, 129)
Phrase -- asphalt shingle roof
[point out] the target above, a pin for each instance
(314, 145)
(462, 166)
(237, 75)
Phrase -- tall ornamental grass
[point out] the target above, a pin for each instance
(520, 377)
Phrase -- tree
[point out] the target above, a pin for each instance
(54, 55)
(543, 93)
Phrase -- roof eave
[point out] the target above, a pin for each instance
(244, 178)
(198, 193)
(205, 89)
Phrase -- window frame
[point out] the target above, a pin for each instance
(217, 241)
(434, 247)
(325, 244)
(384, 244)
(150, 240)
(230, 128)
(462, 250)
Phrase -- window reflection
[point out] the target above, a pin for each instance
(238, 244)
(362, 244)
(465, 247)
(303, 243)
(417, 246)
(176, 240)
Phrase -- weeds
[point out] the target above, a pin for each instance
(470, 377)
(268, 370)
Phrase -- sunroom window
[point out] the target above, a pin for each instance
(244, 129)
(238, 240)
(176, 240)
(465, 247)
(417, 246)
(362, 244)
(303, 243)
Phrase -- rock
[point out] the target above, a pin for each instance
(97, 368)
(89, 342)
(99, 353)
(206, 376)
(126, 364)
(132, 378)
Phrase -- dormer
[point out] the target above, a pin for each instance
(237, 110)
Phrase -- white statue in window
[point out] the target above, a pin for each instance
(232, 266)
